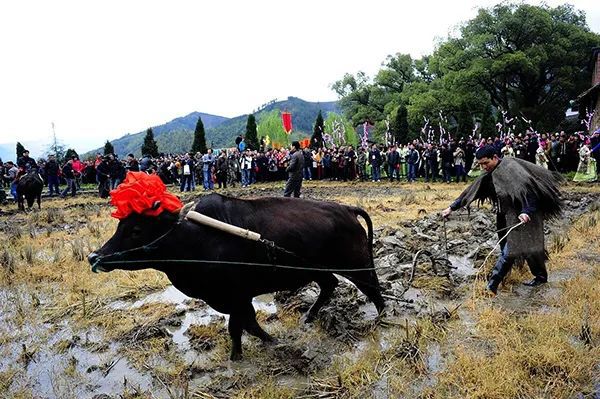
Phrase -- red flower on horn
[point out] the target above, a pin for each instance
(144, 194)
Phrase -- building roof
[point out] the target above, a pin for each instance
(589, 92)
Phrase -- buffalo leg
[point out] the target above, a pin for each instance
(39, 201)
(367, 283)
(236, 327)
(327, 283)
(252, 326)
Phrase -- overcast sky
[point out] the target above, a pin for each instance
(101, 69)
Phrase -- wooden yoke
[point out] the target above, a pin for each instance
(217, 224)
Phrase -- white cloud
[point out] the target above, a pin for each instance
(102, 69)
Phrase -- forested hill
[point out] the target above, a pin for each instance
(303, 112)
(177, 136)
(170, 136)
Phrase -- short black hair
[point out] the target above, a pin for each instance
(487, 151)
(296, 144)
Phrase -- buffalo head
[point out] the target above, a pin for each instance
(134, 239)
(147, 212)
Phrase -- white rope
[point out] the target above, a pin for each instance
(499, 241)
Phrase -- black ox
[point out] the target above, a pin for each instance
(29, 188)
(320, 234)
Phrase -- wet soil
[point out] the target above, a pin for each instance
(53, 360)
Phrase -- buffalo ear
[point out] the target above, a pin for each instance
(155, 205)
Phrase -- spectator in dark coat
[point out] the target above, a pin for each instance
(447, 162)
(222, 166)
(294, 169)
(375, 161)
(103, 176)
(430, 157)
(69, 176)
(393, 161)
(412, 160)
(52, 170)
(132, 163)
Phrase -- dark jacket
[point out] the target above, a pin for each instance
(447, 157)
(294, 169)
(413, 157)
(26, 163)
(133, 165)
(393, 158)
(67, 171)
(51, 168)
(375, 158)
(102, 171)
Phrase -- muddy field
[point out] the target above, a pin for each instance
(66, 332)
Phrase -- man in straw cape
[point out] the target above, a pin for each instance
(523, 195)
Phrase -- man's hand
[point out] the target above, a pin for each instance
(524, 218)
(446, 212)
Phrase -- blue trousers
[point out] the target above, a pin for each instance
(186, 183)
(307, 173)
(53, 185)
(13, 190)
(207, 182)
(412, 172)
(393, 171)
(375, 173)
(505, 263)
(245, 177)
(71, 185)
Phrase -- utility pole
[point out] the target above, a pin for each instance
(54, 144)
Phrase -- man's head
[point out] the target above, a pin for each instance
(487, 158)
(25, 153)
(296, 145)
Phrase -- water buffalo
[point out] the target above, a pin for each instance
(322, 234)
(30, 187)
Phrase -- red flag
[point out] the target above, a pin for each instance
(286, 118)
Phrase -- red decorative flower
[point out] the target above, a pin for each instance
(140, 193)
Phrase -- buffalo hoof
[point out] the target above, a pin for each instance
(235, 356)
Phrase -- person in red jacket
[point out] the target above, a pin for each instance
(78, 167)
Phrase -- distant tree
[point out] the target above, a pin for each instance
(150, 147)
(20, 150)
(71, 153)
(199, 144)
(108, 148)
(251, 133)
(527, 60)
(399, 125)
(57, 149)
(316, 141)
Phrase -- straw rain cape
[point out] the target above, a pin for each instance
(510, 186)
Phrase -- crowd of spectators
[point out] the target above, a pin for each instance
(450, 160)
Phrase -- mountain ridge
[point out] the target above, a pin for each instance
(176, 136)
